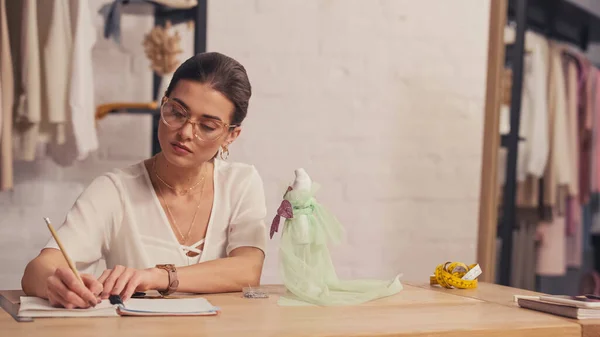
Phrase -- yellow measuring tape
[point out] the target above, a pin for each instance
(456, 275)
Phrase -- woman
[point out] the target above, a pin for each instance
(183, 220)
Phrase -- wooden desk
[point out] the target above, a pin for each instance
(415, 311)
(494, 293)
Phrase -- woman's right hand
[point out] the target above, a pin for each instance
(65, 290)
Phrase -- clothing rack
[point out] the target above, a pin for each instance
(162, 14)
(559, 20)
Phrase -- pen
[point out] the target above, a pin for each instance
(64, 253)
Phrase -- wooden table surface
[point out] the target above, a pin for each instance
(415, 311)
(503, 295)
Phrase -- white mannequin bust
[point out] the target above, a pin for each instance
(302, 181)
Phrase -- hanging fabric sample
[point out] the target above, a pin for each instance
(56, 50)
(533, 150)
(81, 94)
(29, 113)
(7, 93)
(551, 231)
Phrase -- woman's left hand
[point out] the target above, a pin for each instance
(125, 281)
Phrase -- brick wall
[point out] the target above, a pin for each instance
(381, 102)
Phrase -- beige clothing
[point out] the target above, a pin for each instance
(6, 108)
(29, 109)
(559, 171)
(572, 125)
(553, 250)
(527, 195)
(1, 116)
(78, 76)
(81, 94)
(56, 66)
(533, 151)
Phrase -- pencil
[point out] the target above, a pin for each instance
(62, 249)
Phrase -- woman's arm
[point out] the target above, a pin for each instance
(84, 235)
(41, 268)
(242, 268)
(48, 276)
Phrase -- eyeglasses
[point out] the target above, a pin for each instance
(175, 116)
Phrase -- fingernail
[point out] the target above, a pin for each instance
(92, 303)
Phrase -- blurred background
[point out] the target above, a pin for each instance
(401, 110)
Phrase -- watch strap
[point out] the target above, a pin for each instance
(173, 280)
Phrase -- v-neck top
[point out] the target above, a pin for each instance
(118, 218)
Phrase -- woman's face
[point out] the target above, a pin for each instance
(194, 124)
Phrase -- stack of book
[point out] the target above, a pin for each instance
(578, 307)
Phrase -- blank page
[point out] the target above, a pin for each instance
(165, 305)
(39, 307)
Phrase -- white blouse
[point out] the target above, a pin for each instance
(119, 218)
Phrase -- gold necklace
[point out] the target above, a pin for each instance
(186, 237)
(185, 191)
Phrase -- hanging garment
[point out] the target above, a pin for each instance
(523, 258)
(56, 50)
(595, 171)
(6, 108)
(81, 135)
(595, 228)
(576, 98)
(573, 137)
(81, 95)
(29, 114)
(552, 246)
(584, 122)
(533, 150)
(574, 245)
(551, 249)
(1, 115)
(557, 172)
(112, 13)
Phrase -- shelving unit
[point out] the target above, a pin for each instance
(558, 20)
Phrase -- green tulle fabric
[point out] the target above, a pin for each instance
(307, 269)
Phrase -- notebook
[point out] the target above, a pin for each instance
(38, 307)
(564, 310)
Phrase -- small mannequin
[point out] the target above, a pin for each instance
(302, 183)
(308, 272)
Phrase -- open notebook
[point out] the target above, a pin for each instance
(38, 307)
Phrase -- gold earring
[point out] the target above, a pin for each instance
(224, 152)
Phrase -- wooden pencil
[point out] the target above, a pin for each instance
(64, 252)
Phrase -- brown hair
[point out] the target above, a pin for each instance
(223, 74)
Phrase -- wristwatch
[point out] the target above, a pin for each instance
(173, 281)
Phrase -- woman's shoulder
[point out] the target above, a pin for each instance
(236, 172)
(118, 177)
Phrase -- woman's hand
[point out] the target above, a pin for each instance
(63, 289)
(125, 281)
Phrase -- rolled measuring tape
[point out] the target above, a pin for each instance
(456, 275)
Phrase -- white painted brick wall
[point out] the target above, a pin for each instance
(381, 101)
